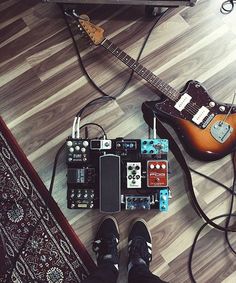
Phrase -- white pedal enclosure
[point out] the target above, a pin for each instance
(133, 175)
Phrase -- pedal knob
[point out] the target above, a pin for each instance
(69, 143)
(158, 166)
(71, 149)
(163, 166)
(85, 143)
(77, 148)
(164, 197)
(83, 149)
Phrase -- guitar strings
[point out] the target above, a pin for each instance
(230, 109)
(108, 45)
(191, 108)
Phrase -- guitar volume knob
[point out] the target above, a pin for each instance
(222, 108)
(212, 104)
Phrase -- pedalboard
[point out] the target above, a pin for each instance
(115, 174)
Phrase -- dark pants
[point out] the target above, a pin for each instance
(109, 274)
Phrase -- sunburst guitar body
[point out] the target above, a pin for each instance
(213, 138)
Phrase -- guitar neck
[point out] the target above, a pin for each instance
(151, 78)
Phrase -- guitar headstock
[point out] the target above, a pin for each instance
(85, 27)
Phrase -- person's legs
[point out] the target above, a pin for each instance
(140, 254)
(105, 247)
(140, 273)
(104, 274)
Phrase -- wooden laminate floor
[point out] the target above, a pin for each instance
(42, 87)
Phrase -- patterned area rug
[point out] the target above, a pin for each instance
(36, 242)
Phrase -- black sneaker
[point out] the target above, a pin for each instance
(139, 244)
(106, 241)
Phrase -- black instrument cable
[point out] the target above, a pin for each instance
(228, 217)
(212, 180)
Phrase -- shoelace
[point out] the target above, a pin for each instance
(139, 249)
(107, 246)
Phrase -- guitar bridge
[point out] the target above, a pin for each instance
(221, 131)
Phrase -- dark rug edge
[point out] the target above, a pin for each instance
(55, 210)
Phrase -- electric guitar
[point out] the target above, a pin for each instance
(206, 128)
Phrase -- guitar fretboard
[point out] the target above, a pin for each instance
(163, 87)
